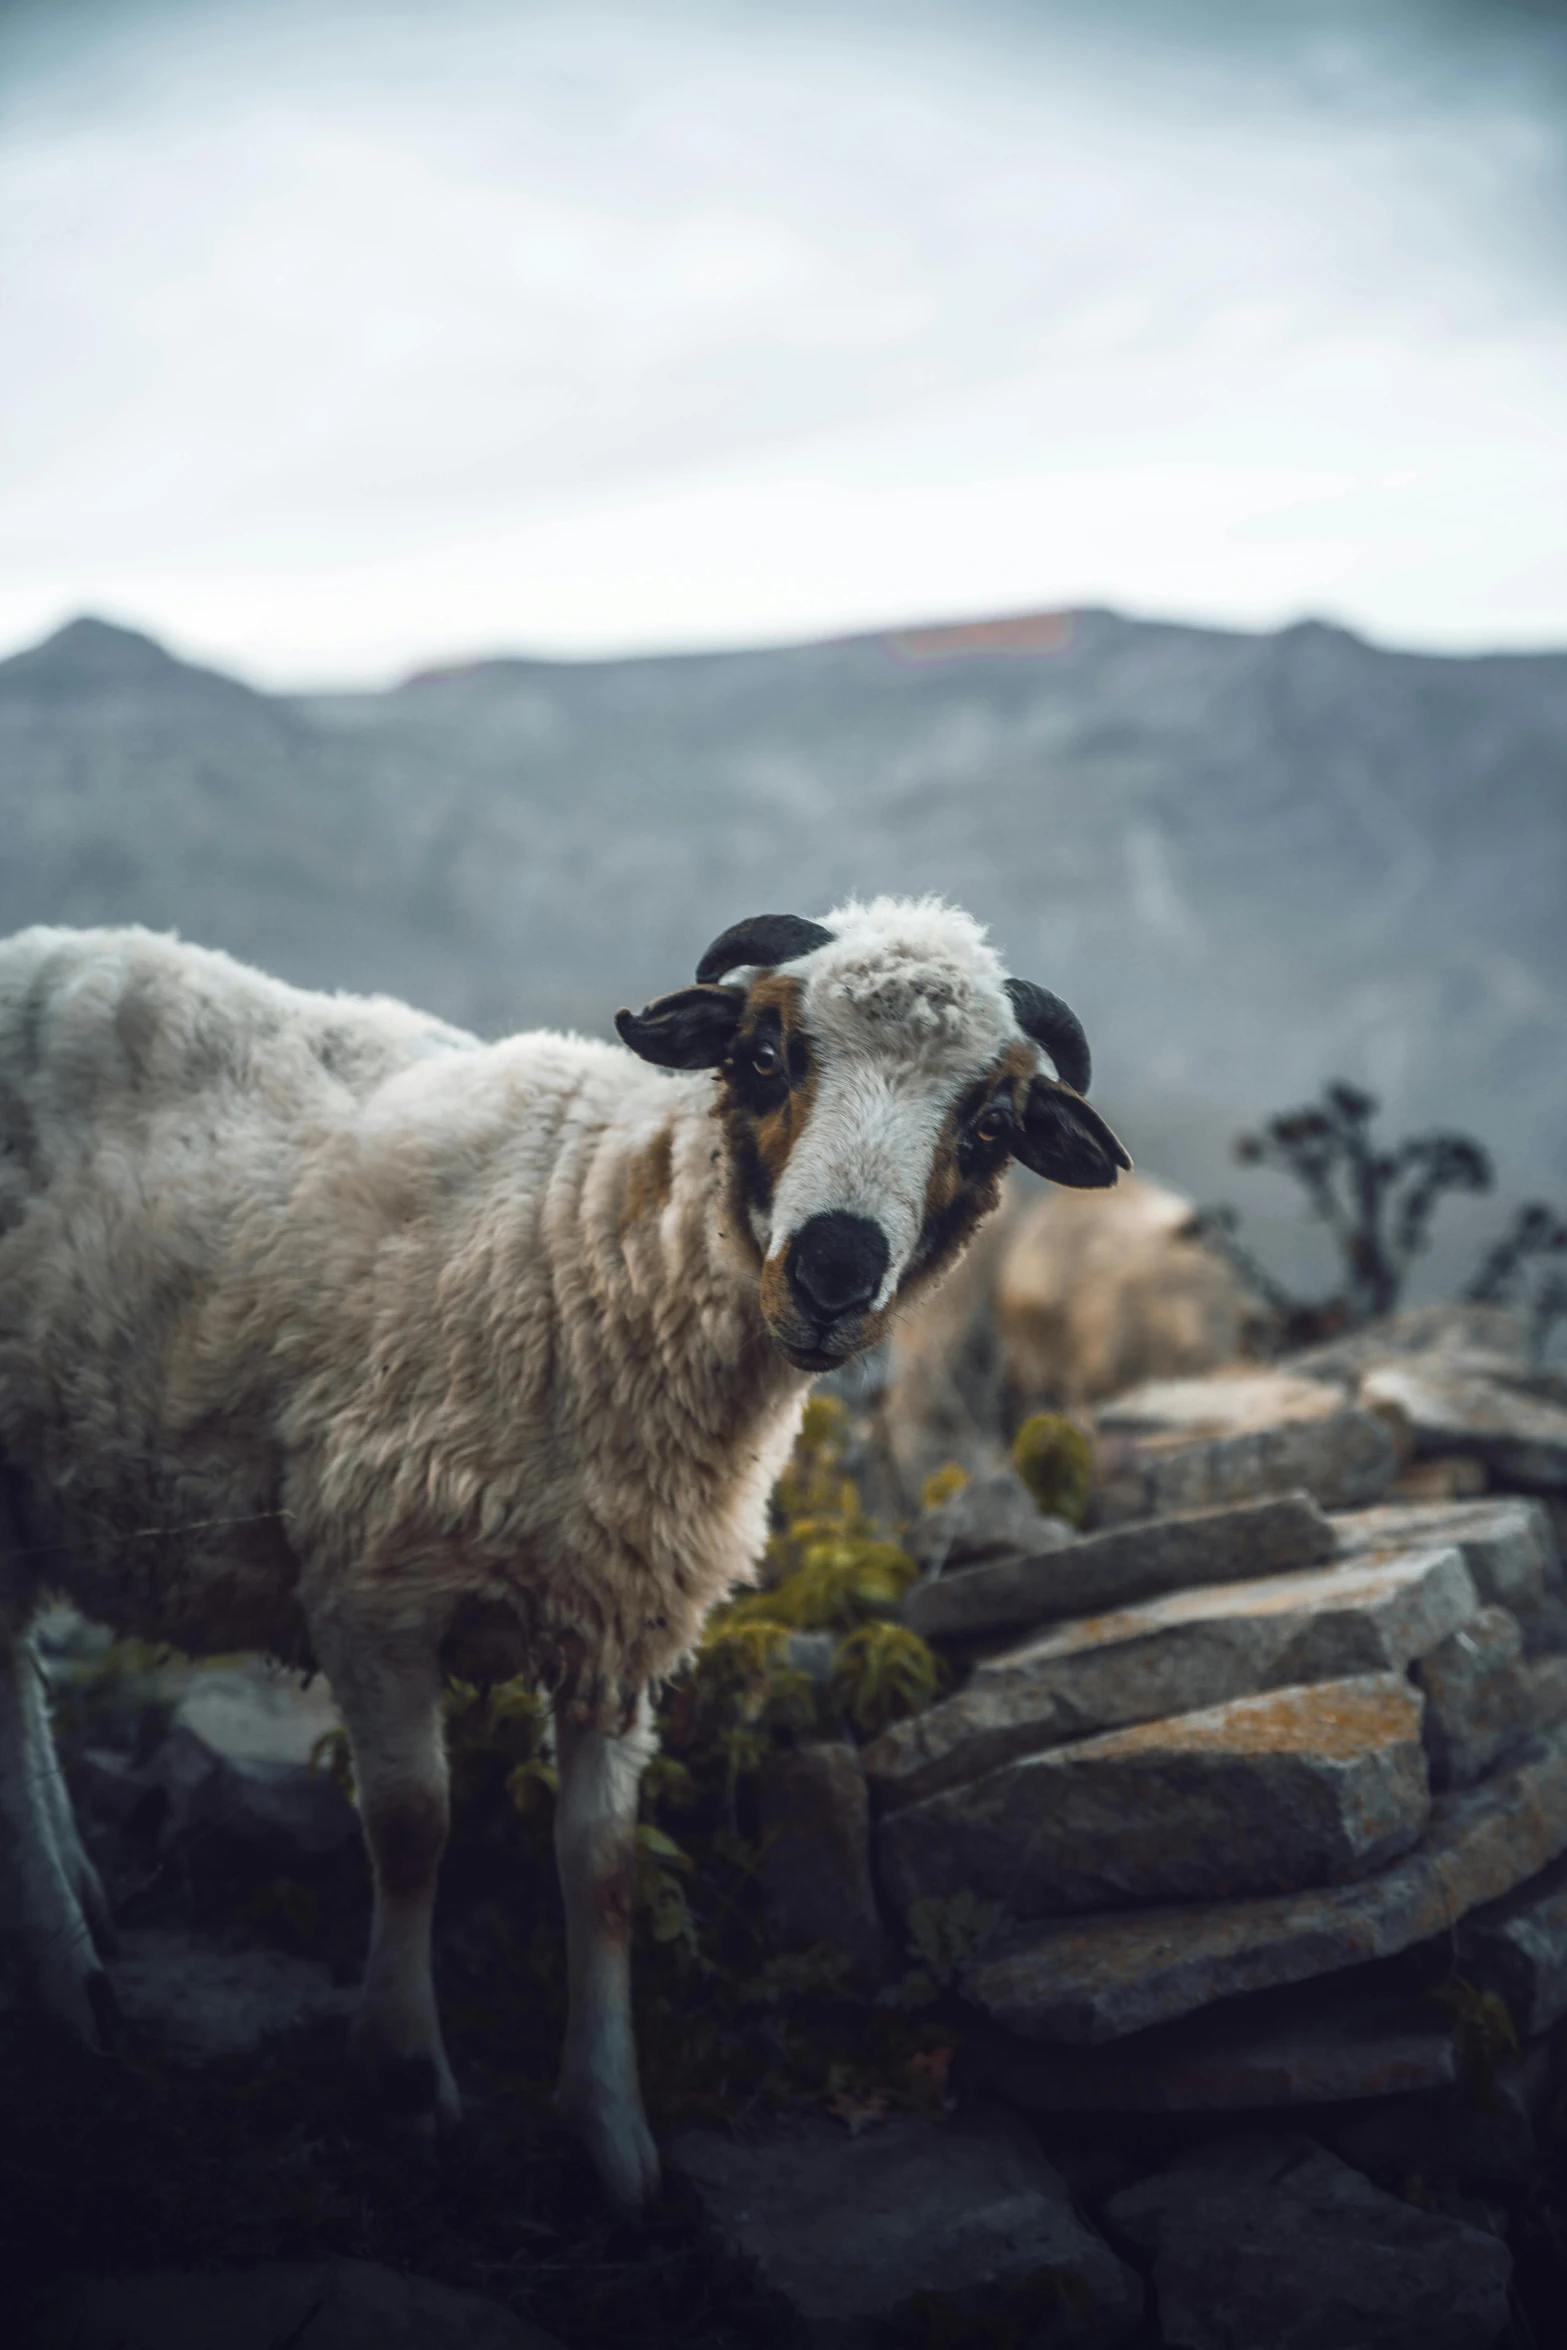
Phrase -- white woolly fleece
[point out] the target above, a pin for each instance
(916, 965)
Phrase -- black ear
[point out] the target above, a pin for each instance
(1063, 1138)
(764, 939)
(691, 1029)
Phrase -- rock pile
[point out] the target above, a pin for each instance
(1201, 1753)
(1288, 1711)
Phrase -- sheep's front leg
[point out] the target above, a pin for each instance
(389, 1698)
(595, 1829)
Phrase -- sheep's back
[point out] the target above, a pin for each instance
(157, 1101)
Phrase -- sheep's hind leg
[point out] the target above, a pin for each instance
(389, 1698)
(81, 1875)
(599, 2098)
(49, 1882)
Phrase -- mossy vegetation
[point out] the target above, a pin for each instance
(1056, 1462)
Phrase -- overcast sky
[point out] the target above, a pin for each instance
(344, 337)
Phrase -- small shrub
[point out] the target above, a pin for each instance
(1377, 1205)
(941, 1485)
(1056, 1462)
(838, 1584)
(1523, 1269)
(882, 1673)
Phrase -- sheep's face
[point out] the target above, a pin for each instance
(877, 1077)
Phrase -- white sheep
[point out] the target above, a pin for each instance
(440, 1357)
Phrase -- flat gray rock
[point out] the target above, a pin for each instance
(1307, 2044)
(1520, 1436)
(1518, 1947)
(1122, 1565)
(1274, 2244)
(238, 1762)
(1094, 1978)
(848, 2228)
(199, 2000)
(1266, 1794)
(1509, 1546)
(1346, 1458)
(317, 2305)
(1175, 1655)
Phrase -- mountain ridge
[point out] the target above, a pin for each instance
(1250, 860)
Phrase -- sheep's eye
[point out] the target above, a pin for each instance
(764, 1060)
(995, 1125)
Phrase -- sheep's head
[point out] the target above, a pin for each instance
(878, 1070)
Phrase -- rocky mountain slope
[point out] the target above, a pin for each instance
(1250, 861)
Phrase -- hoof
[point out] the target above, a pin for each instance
(108, 2020)
(619, 2144)
(416, 2095)
(86, 2006)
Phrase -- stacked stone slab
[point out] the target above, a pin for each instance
(1457, 1383)
(1207, 1754)
(1181, 1444)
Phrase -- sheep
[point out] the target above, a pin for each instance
(429, 1356)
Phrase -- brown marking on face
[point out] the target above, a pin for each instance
(762, 1123)
(956, 1203)
(779, 1129)
(650, 1178)
(406, 1833)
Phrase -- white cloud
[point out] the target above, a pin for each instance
(569, 329)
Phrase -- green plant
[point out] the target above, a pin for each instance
(946, 1935)
(1056, 1462)
(883, 1672)
(941, 1485)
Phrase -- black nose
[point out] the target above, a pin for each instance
(836, 1264)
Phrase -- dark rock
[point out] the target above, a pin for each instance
(238, 1762)
(815, 1869)
(1478, 2132)
(1095, 1978)
(1122, 1565)
(108, 1784)
(1274, 2244)
(1518, 1947)
(1174, 1655)
(849, 2228)
(1265, 1794)
(1309, 2044)
(1543, 1623)
(321, 2305)
(198, 2000)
